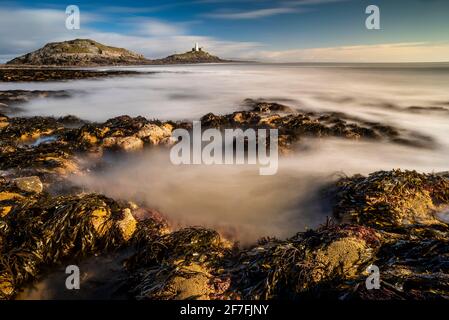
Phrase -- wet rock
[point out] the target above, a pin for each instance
(154, 134)
(299, 266)
(5, 210)
(7, 195)
(109, 142)
(88, 138)
(100, 219)
(45, 230)
(190, 282)
(388, 199)
(6, 287)
(29, 184)
(177, 265)
(127, 225)
(293, 125)
(268, 107)
(14, 74)
(129, 144)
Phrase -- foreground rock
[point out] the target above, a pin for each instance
(38, 231)
(396, 220)
(53, 148)
(29, 184)
(330, 262)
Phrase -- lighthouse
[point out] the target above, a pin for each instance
(196, 48)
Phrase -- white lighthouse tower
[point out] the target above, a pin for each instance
(196, 48)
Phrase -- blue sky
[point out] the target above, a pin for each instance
(283, 30)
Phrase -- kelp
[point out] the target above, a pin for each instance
(178, 265)
(43, 231)
(389, 218)
(388, 199)
(297, 267)
(293, 125)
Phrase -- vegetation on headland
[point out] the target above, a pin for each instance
(396, 219)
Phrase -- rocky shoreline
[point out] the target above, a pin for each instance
(396, 220)
(17, 74)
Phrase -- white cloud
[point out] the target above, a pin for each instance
(23, 30)
(253, 14)
(392, 52)
(154, 27)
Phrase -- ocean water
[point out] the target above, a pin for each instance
(236, 198)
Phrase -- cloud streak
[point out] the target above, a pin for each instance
(389, 52)
(253, 14)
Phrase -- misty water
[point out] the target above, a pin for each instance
(236, 198)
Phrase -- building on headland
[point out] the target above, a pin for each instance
(196, 48)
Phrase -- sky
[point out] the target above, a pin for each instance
(260, 30)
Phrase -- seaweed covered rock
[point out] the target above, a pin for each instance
(125, 133)
(306, 265)
(42, 231)
(389, 199)
(293, 125)
(37, 146)
(178, 265)
(413, 265)
(29, 184)
(17, 74)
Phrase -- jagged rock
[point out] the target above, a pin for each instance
(109, 142)
(29, 184)
(129, 144)
(387, 199)
(298, 266)
(153, 133)
(127, 225)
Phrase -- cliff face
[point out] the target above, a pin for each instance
(79, 52)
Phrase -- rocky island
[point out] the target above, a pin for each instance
(79, 52)
(88, 53)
